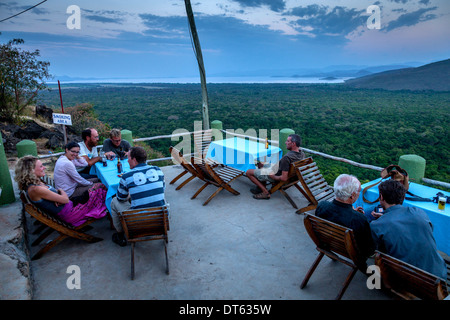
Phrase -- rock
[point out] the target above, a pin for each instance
(44, 112)
(31, 130)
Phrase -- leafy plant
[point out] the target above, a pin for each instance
(22, 75)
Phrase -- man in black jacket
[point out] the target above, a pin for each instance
(341, 211)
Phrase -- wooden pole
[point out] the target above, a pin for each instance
(62, 108)
(198, 54)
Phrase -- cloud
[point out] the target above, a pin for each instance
(102, 19)
(275, 5)
(323, 20)
(411, 19)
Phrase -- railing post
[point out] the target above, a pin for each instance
(127, 135)
(284, 134)
(217, 128)
(6, 187)
(414, 165)
(26, 147)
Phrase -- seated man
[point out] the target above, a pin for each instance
(406, 233)
(115, 146)
(88, 150)
(262, 175)
(341, 211)
(142, 187)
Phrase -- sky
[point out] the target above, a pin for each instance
(150, 38)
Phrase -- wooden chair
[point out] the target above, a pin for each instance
(447, 262)
(292, 180)
(178, 157)
(64, 229)
(202, 140)
(188, 168)
(408, 281)
(146, 225)
(314, 186)
(336, 242)
(220, 176)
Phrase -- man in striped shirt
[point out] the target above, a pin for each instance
(142, 187)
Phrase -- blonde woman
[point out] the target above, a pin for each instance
(30, 170)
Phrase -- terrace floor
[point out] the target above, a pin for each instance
(235, 248)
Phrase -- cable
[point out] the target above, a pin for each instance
(23, 11)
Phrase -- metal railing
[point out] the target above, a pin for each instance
(324, 155)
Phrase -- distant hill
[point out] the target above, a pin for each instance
(434, 76)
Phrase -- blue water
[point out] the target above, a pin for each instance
(211, 80)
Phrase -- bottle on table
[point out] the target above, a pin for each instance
(267, 143)
(103, 155)
(119, 166)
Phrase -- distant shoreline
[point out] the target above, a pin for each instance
(186, 80)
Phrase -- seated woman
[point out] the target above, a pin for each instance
(30, 170)
(67, 177)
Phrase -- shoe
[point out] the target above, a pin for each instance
(262, 195)
(119, 238)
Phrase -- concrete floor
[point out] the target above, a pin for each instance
(235, 248)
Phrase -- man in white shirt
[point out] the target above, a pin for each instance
(88, 150)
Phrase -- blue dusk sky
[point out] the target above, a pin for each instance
(150, 38)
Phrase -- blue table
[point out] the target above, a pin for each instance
(242, 153)
(439, 219)
(109, 177)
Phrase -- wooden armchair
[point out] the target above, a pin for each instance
(145, 225)
(408, 281)
(336, 242)
(314, 186)
(220, 176)
(292, 180)
(64, 229)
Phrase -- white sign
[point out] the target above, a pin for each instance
(62, 118)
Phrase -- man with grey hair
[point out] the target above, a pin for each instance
(341, 211)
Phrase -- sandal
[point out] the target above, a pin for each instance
(262, 195)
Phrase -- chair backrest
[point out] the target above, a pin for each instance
(47, 219)
(313, 183)
(405, 279)
(333, 238)
(145, 224)
(178, 157)
(202, 140)
(199, 165)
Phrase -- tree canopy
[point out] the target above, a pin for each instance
(22, 75)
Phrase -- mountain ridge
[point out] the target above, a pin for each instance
(433, 76)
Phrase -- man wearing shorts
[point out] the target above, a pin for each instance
(263, 174)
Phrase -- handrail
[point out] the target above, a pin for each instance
(351, 162)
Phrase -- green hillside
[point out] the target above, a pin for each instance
(434, 76)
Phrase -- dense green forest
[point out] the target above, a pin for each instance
(368, 126)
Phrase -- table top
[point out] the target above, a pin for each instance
(415, 188)
(242, 153)
(109, 177)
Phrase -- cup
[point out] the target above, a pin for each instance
(441, 203)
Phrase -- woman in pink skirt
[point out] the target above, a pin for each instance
(30, 170)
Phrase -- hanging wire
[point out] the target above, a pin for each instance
(23, 11)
